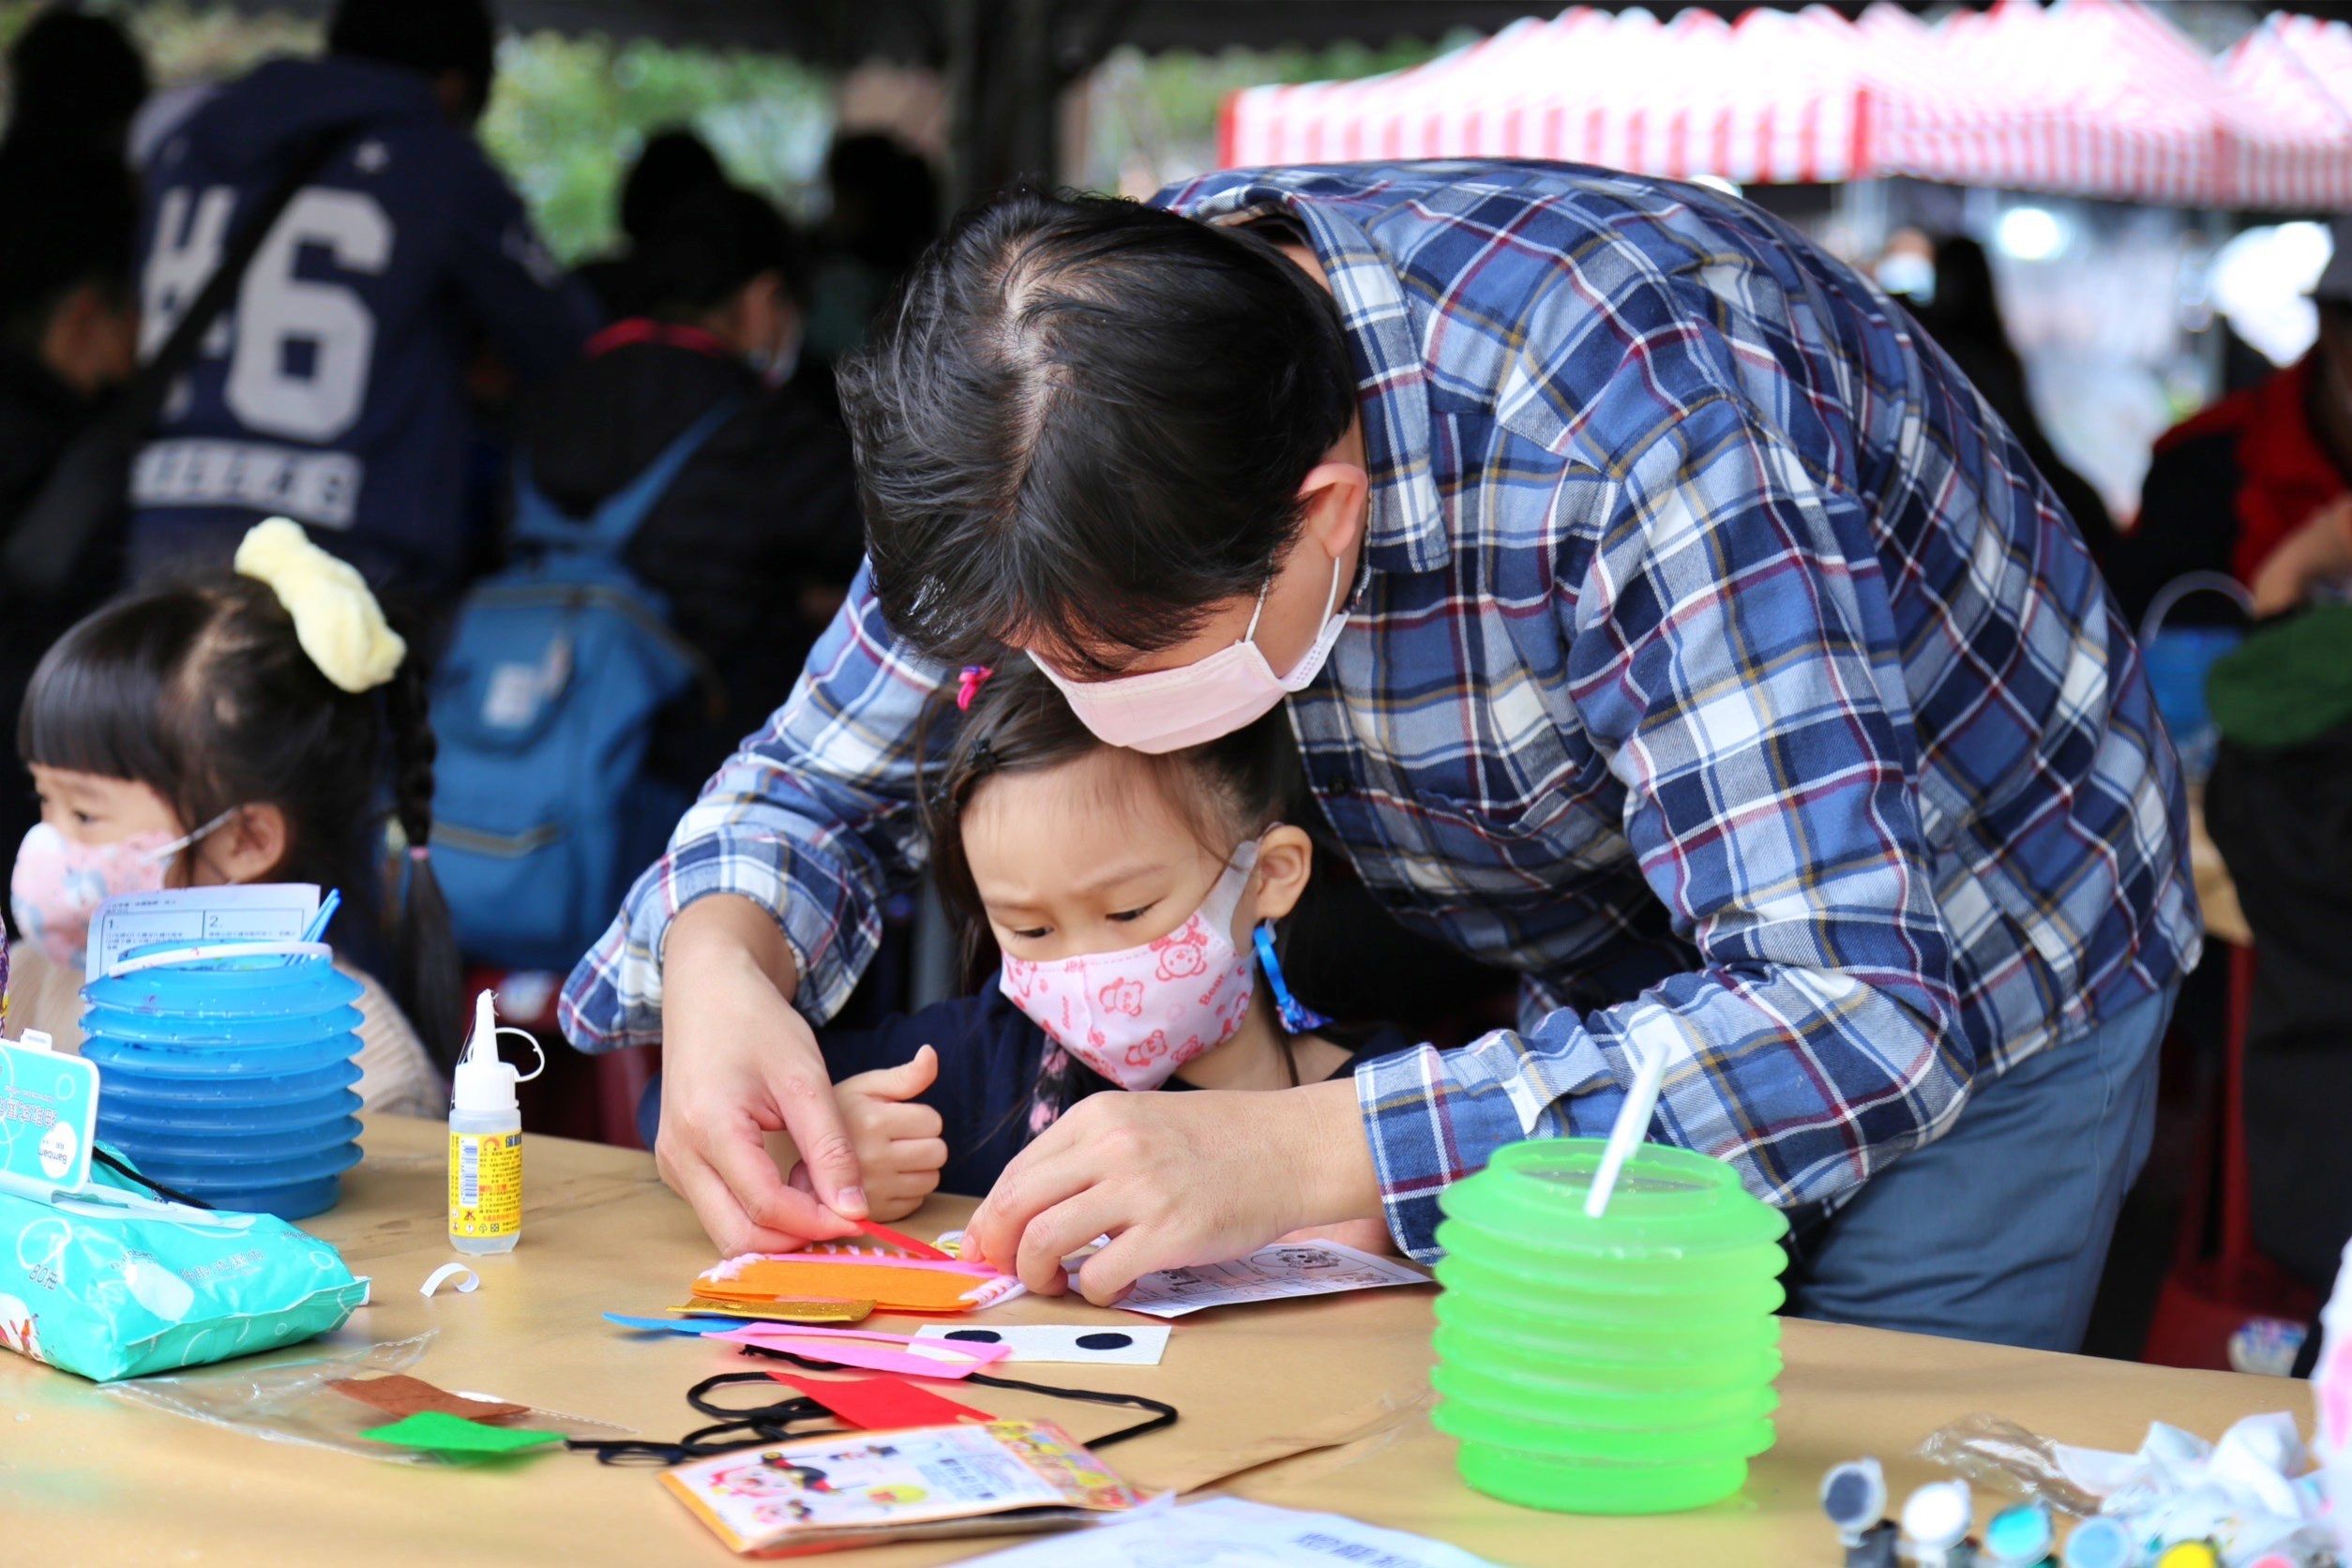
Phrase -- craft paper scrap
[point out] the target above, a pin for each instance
(400, 1395)
(842, 1491)
(1227, 1532)
(881, 1403)
(869, 1353)
(894, 1283)
(247, 912)
(903, 1241)
(467, 1280)
(436, 1432)
(1104, 1345)
(688, 1326)
(780, 1311)
(1270, 1273)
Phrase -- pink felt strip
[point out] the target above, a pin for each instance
(871, 1352)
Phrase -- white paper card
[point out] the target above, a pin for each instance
(1104, 1345)
(1227, 1532)
(248, 912)
(1270, 1274)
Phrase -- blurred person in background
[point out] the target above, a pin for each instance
(1964, 316)
(2258, 486)
(337, 393)
(884, 209)
(75, 81)
(69, 338)
(673, 165)
(756, 540)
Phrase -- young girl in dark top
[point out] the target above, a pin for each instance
(1135, 900)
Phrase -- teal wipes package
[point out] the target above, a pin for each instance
(110, 1282)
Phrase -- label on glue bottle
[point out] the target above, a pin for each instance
(485, 1186)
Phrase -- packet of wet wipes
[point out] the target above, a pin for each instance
(110, 1282)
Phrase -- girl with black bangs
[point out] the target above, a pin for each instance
(238, 729)
(1137, 902)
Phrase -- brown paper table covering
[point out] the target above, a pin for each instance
(1318, 1404)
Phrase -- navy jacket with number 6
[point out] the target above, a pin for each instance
(333, 391)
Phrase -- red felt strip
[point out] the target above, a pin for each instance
(881, 1403)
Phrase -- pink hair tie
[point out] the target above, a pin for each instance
(420, 852)
(968, 684)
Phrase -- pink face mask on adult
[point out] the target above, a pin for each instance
(1137, 1014)
(1167, 710)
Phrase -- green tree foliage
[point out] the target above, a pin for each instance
(569, 114)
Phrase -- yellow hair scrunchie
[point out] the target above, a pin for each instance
(337, 620)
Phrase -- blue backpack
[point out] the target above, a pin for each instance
(544, 707)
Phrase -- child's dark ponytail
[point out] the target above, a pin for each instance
(431, 981)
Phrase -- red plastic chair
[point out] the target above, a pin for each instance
(592, 1097)
(2207, 1298)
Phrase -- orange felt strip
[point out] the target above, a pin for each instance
(890, 1290)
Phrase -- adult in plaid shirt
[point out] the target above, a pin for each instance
(1712, 655)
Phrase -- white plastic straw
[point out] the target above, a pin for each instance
(1632, 1121)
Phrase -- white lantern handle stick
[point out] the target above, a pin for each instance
(1633, 1121)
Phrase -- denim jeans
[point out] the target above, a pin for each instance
(1998, 1231)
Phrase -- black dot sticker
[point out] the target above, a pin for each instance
(985, 1336)
(1105, 1341)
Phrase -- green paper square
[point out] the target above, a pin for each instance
(438, 1432)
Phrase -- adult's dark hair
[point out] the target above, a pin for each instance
(1083, 424)
(433, 36)
(72, 218)
(1967, 307)
(885, 200)
(202, 692)
(709, 245)
(74, 75)
(1224, 791)
(673, 165)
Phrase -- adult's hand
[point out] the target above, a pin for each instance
(2318, 551)
(1175, 1180)
(738, 1062)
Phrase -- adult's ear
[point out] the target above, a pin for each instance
(248, 848)
(1285, 863)
(1333, 500)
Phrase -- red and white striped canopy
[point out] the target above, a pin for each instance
(2100, 97)
(2299, 70)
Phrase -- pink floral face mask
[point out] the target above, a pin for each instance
(58, 885)
(1137, 1014)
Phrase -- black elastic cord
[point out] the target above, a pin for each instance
(761, 1425)
(99, 1155)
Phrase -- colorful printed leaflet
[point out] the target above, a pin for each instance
(927, 1481)
(1272, 1273)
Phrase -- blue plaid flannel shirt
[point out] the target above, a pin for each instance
(1719, 663)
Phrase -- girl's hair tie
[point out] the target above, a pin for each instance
(336, 619)
(968, 684)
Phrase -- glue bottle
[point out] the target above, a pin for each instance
(486, 1138)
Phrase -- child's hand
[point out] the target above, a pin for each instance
(898, 1145)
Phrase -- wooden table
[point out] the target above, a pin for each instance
(1310, 1404)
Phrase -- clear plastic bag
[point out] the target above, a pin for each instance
(289, 1401)
(2002, 1456)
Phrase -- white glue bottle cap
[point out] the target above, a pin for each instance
(484, 1084)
